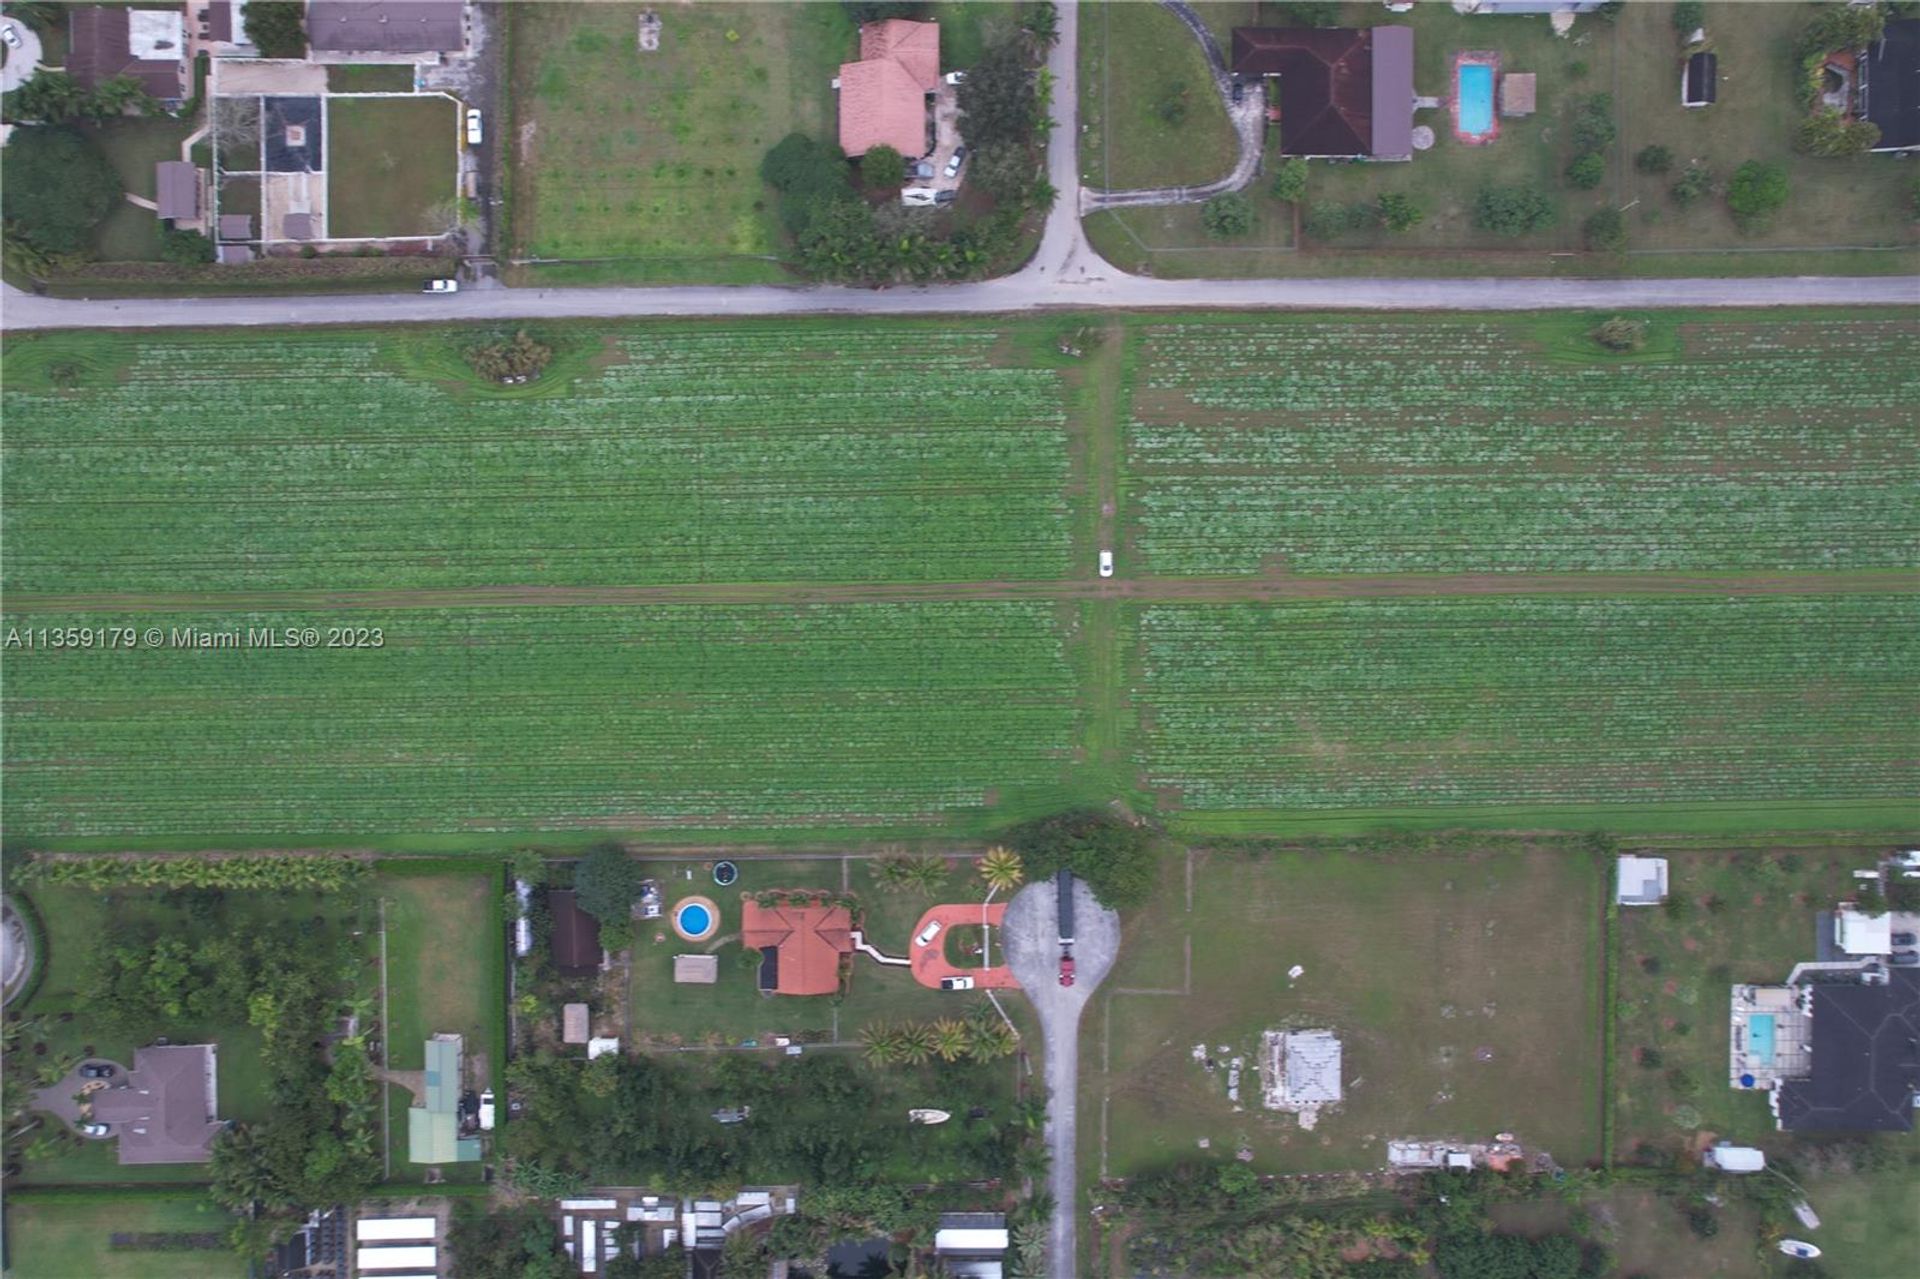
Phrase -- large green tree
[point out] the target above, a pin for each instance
(997, 98)
(275, 27)
(55, 187)
(606, 882)
(1114, 857)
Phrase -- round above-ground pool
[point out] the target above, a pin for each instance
(725, 873)
(696, 919)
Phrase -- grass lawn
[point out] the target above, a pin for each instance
(443, 932)
(1149, 113)
(370, 79)
(1464, 988)
(133, 146)
(74, 918)
(61, 1238)
(1869, 1224)
(653, 158)
(393, 166)
(1675, 971)
(666, 1014)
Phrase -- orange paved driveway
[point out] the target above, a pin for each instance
(930, 961)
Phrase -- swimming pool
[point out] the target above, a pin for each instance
(695, 919)
(1760, 1038)
(1473, 99)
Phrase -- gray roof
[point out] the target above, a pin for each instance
(297, 226)
(236, 226)
(1392, 92)
(176, 186)
(166, 1111)
(1313, 1067)
(386, 26)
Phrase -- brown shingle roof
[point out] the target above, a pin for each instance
(100, 48)
(1332, 97)
(807, 940)
(575, 936)
(1517, 93)
(386, 26)
(176, 188)
(166, 1111)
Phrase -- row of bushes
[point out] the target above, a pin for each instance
(324, 872)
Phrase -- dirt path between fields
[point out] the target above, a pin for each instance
(1137, 589)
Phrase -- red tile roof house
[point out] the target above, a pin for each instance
(883, 97)
(150, 45)
(800, 944)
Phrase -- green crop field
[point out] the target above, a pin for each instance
(522, 719)
(695, 454)
(1377, 703)
(1486, 445)
(786, 578)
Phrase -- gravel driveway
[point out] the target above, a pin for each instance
(1031, 934)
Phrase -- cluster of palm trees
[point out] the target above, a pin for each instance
(926, 873)
(53, 97)
(322, 873)
(914, 1043)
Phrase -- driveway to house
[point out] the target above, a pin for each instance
(1031, 935)
(58, 1099)
(930, 962)
(21, 62)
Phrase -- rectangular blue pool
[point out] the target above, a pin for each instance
(1473, 91)
(1760, 1038)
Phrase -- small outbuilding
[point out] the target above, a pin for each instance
(1728, 1157)
(696, 970)
(1641, 881)
(1518, 93)
(575, 1024)
(176, 189)
(575, 936)
(1700, 80)
(1855, 933)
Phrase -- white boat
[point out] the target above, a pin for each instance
(1798, 1248)
(924, 1116)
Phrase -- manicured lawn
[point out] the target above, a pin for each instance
(666, 1014)
(1463, 986)
(445, 935)
(1868, 1223)
(66, 1238)
(654, 158)
(370, 79)
(392, 166)
(1149, 112)
(131, 233)
(1748, 917)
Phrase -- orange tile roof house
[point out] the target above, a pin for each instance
(883, 97)
(800, 945)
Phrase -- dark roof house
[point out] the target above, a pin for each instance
(176, 189)
(1700, 81)
(386, 26)
(1890, 86)
(106, 42)
(1864, 1066)
(1340, 91)
(166, 1112)
(575, 935)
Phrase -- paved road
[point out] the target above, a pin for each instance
(1031, 934)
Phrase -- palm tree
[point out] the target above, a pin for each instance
(1032, 1161)
(917, 1043)
(987, 1040)
(950, 1039)
(1001, 868)
(882, 1043)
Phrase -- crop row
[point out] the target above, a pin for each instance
(525, 719)
(1383, 703)
(1454, 446)
(707, 455)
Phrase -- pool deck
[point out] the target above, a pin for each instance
(1478, 57)
(700, 903)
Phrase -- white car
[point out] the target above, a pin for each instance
(958, 158)
(1106, 563)
(440, 286)
(956, 983)
(928, 933)
(95, 1130)
(1909, 860)
(486, 1111)
(9, 35)
(473, 126)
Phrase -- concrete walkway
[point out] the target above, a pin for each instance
(1031, 935)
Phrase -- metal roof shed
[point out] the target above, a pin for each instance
(1700, 82)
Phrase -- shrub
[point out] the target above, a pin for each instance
(1593, 126)
(1226, 216)
(1653, 159)
(1755, 193)
(1290, 181)
(1586, 170)
(274, 27)
(883, 168)
(1172, 106)
(1695, 182)
(1829, 133)
(1605, 231)
(515, 359)
(184, 247)
(1688, 16)
(1400, 212)
(1513, 211)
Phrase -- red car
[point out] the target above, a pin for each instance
(1066, 970)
